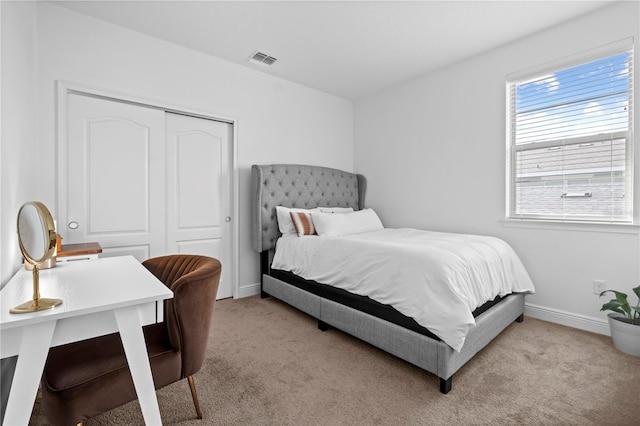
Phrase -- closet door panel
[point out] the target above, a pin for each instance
(199, 190)
(114, 191)
(198, 180)
(127, 187)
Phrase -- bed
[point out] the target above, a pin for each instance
(308, 187)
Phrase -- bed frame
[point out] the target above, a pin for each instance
(304, 186)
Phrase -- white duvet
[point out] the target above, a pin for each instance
(437, 278)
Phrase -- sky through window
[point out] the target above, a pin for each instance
(587, 99)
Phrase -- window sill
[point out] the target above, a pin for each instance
(616, 228)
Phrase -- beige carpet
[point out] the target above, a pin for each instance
(268, 364)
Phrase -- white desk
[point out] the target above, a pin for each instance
(103, 296)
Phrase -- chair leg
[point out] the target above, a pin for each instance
(192, 385)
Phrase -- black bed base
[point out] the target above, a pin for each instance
(265, 269)
(362, 303)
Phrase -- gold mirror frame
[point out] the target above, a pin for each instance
(31, 253)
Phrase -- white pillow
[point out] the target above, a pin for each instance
(285, 225)
(334, 225)
(335, 209)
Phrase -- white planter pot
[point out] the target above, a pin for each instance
(626, 337)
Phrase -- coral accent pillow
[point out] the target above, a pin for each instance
(285, 224)
(302, 223)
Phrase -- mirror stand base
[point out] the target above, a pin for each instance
(32, 306)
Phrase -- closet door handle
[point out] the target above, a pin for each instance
(73, 225)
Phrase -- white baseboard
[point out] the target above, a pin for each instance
(248, 290)
(581, 322)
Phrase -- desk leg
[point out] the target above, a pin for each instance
(135, 349)
(34, 348)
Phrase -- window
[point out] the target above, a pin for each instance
(570, 140)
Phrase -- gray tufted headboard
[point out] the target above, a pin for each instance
(294, 185)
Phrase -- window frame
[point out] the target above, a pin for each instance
(512, 148)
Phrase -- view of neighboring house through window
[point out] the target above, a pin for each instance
(570, 141)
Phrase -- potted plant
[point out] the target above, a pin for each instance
(624, 321)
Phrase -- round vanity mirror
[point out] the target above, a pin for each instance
(37, 240)
(36, 232)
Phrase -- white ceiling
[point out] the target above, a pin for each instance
(348, 48)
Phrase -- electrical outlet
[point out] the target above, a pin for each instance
(599, 286)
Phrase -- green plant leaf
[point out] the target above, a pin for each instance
(620, 302)
(622, 297)
(614, 306)
(613, 302)
(637, 291)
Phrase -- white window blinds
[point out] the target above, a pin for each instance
(569, 148)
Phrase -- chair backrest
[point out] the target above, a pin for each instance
(194, 281)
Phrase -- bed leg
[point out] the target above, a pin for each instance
(322, 326)
(264, 269)
(445, 385)
(520, 318)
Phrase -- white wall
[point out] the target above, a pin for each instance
(433, 151)
(277, 121)
(19, 173)
(18, 147)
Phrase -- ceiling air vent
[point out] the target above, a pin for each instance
(261, 58)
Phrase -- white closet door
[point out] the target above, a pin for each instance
(199, 190)
(115, 170)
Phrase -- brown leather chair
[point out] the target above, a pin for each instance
(87, 378)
